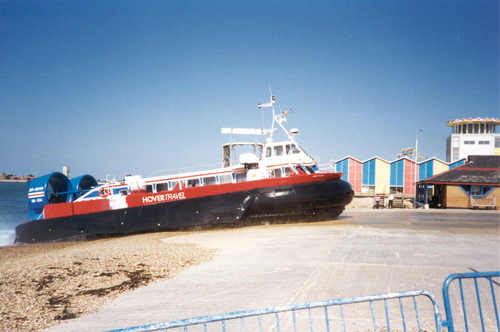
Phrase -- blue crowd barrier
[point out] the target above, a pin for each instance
(484, 309)
(378, 315)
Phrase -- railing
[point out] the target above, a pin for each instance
(472, 315)
(399, 312)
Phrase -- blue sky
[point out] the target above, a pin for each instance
(117, 87)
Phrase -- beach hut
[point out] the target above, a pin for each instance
(403, 176)
(376, 176)
(351, 167)
(431, 167)
(456, 164)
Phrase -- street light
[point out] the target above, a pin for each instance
(416, 164)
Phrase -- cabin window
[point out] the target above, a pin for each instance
(268, 152)
(288, 171)
(240, 177)
(278, 150)
(300, 170)
(276, 173)
(209, 180)
(193, 183)
(226, 178)
(149, 188)
(468, 142)
(161, 187)
(484, 142)
(294, 149)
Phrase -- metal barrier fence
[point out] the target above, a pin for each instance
(388, 312)
(477, 304)
(399, 312)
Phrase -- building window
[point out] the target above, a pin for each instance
(484, 142)
(469, 142)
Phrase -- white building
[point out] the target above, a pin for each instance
(472, 137)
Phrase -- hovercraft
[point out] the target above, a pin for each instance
(278, 180)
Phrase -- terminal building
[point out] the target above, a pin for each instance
(472, 137)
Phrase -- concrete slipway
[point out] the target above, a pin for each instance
(361, 253)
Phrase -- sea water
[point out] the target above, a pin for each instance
(13, 209)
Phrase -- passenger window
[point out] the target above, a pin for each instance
(294, 149)
(288, 149)
(276, 173)
(209, 180)
(268, 152)
(193, 183)
(172, 185)
(278, 150)
(149, 188)
(240, 177)
(226, 178)
(288, 171)
(161, 187)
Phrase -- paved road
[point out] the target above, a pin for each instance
(361, 253)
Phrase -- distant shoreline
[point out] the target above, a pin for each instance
(5, 180)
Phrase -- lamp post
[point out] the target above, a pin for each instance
(415, 171)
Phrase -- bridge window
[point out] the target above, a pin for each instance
(278, 150)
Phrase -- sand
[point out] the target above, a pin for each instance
(44, 284)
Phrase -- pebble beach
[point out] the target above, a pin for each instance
(42, 285)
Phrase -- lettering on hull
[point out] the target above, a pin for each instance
(146, 200)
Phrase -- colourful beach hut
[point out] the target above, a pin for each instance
(376, 176)
(352, 168)
(431, 167)
(403, 176)
(456, 163)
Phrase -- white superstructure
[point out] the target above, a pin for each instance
(476, 136)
